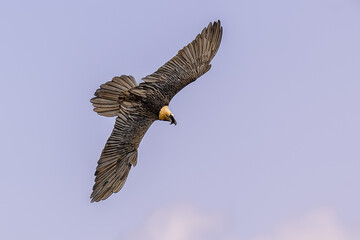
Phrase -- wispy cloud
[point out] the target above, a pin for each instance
(181, 222)
(190, 223)
(320, 224)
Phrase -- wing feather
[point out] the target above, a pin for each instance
(190, 62)
(120, 151)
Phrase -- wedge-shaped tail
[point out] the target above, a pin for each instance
(106, 102)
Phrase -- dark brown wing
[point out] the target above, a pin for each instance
(120, 151)
(190, 63)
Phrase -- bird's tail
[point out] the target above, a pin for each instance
(106, 102)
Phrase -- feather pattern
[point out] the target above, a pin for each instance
(189, 64)
(106, 102)
(120, 151)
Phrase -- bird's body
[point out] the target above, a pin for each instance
(138, 106)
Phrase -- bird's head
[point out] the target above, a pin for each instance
(166, 115)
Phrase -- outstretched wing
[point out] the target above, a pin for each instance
(190, 63)
(120, 151)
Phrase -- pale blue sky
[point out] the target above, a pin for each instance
(268, 137)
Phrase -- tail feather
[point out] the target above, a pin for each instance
(106, 97)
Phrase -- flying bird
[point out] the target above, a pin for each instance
(138, 106)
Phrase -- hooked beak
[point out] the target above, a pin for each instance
(172, 119)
